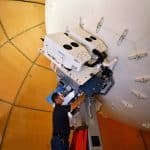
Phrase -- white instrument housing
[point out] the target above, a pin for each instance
(72, 58)
(70, 54)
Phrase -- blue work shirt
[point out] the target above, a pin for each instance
(61, 120)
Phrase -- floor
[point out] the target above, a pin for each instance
(26, 80)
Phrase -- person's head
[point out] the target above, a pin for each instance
(58, 98)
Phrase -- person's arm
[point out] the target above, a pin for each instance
(78, 101)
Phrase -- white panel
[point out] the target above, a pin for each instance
(118, 15)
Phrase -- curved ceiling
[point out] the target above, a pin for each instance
(25, 77)
(125, 101)
(26, 80)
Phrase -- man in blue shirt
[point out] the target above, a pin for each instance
(61, 129)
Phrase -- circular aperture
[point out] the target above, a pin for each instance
(74, 44)
(88, 39)
(66, 46)
(66, 34)
(93, 38)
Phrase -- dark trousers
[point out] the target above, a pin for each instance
(58, 143)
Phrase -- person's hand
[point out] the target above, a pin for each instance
(78, 101)
(80, 94)
(81, 97)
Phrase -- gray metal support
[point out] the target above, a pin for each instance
(88, 112)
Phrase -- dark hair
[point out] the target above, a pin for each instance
(54, 96)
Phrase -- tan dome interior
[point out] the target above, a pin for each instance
(26, 80)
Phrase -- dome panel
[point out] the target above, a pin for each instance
(43, 62)
(19, 16)
(5, 108)
(28, 130)
(121, 135)
(32, 42)
(38, 85)
(3, 38)
(13, 69)
(38, 1)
